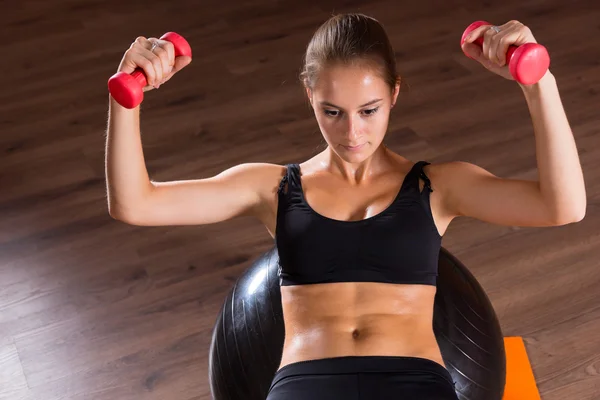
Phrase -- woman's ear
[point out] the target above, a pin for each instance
(396, 92)
(309, 95)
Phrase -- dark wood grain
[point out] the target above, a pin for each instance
(94, 309)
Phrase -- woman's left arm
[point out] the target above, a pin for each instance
(559, 197)
(560, 175)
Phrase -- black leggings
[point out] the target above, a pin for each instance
(362, 378)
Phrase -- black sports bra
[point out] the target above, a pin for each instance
(399, 245)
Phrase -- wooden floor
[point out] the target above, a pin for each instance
(94, 309)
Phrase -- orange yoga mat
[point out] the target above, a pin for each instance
(520, 382)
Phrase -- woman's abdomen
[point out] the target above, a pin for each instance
(366, 335)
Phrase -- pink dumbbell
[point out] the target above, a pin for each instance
(127, 89)
(527, 63)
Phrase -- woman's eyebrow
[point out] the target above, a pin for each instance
(326, 103)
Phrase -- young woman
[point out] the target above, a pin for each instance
(358, 227)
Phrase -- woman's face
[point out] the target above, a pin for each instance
(352, 105)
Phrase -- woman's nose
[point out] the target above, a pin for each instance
(353, 128)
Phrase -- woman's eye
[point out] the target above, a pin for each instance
(333, 114)
(372, 111)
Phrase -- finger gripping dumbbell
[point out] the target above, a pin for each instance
(527, 63)
(127, 89)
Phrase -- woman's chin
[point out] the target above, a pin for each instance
(354, 155)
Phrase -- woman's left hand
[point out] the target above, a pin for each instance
(495, 45)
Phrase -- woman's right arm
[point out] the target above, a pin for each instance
(134, 199)
(127, 181)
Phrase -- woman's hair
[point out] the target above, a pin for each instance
(350, 39)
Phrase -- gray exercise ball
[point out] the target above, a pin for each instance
(247, 339)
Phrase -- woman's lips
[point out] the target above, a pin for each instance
(354, 148)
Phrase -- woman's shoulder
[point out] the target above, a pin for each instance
(266, 176)
(433, 170)
(261, 171)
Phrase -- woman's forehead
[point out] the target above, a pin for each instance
(350, 87)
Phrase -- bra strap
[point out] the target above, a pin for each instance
(291, 177)
(421, 174)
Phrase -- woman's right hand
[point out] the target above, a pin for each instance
(158, 62)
